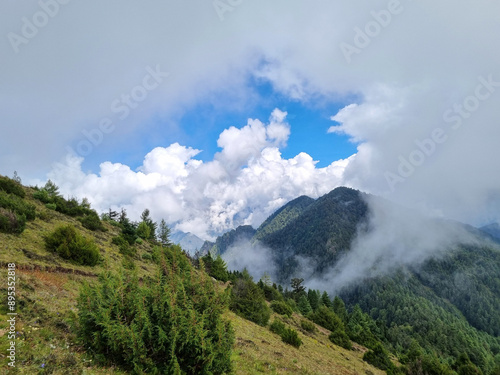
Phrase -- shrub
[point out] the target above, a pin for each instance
(43, 196)
(92, 222)
(170, 324)
(10, 222)
(146, 256)
(378, 357)
(69, 244)
(18, 205)
(11, 187)
(247, 300)
(51, 206)
(280, 307)
(326, 318)
(340, 338)
(277, 326)
(307, 325)
(291, 337)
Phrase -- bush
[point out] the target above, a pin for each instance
(340, 338)
(147, 256)
(277, 326)
(247, 300)
(92, 222)
(51, 206)
(10, 186)
(291, 337)
(280, 307)
(307, 325)
(10, 222)
(378, 357)
(43, 196)
(69, 244)
(326, 318)
(170, 324)
(18, 205)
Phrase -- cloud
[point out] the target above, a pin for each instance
(393, 237)
(256, 258)
(244, 183)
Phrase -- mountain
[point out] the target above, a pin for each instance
(242, 233)
(188, 241)
(492, 229)
(448, 302)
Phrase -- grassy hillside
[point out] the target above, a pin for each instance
(46, 296)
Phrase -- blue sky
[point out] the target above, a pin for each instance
(200, 125)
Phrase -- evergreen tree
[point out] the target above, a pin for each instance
(164, 233)
(51, 189)
(247, 300)
(340, 309)
(325, 300)
(314, 297)
(304, 306)
(145, 218)
(297, 288)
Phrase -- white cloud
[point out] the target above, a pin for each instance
(206, 198)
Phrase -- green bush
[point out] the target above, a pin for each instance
(170, 324)
(43, 196)
(340, 338)
(18, 205)
(247, 300)
(71, 245)
(10, 222)
(280, 307)
(277, 326)
(326, 318)
(378, 357)
(147, 256)
(51, 206)
(10, 186)
(92, 222)
(307, 325)
(291, 337)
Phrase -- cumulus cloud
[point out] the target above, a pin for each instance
(244, 183)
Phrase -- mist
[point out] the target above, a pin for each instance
(392, 238)
(255, 257)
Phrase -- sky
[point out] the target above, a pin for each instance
(213, 114)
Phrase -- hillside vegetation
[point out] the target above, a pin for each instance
(143, 305)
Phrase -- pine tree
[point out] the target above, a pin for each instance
(340, 309)
(164, 233)
(304, 306)
(325, 300)
(314, 297)
(145, 218)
